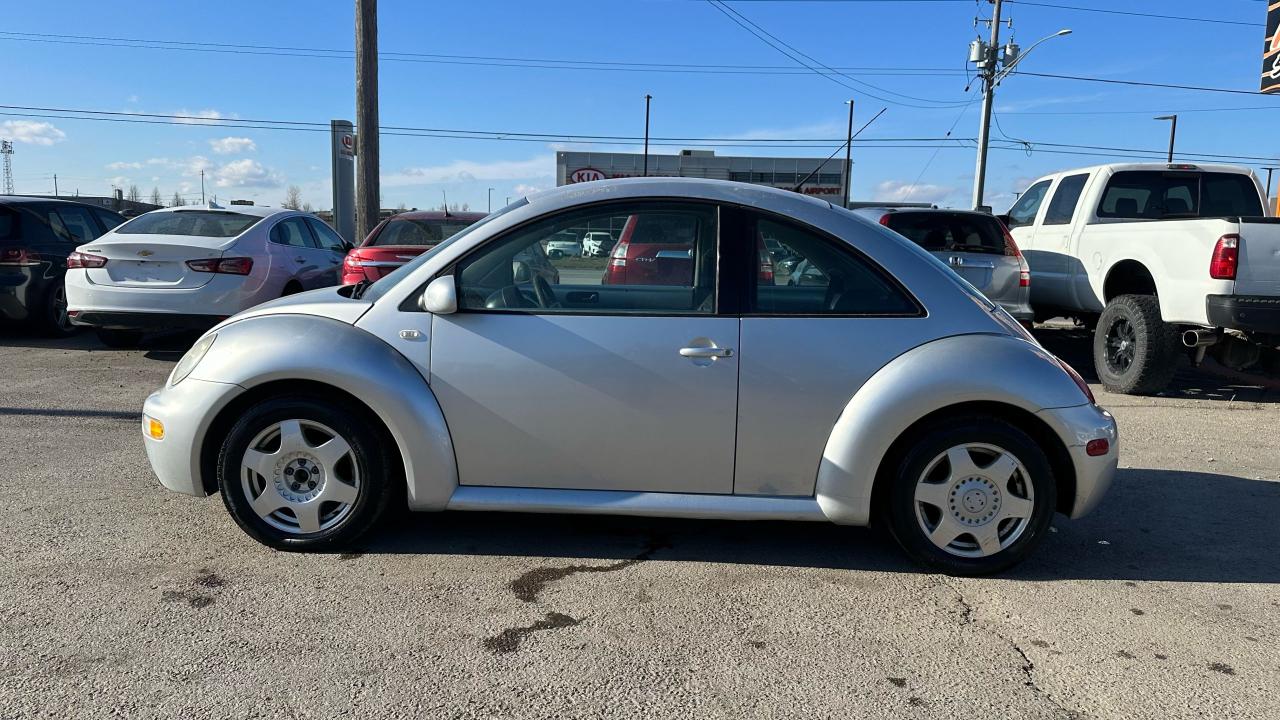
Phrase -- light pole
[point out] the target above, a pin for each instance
(985, 56)
(848, 159)
(1173, 132)
(647, 98)
(490, 199)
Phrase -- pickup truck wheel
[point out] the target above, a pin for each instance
(1134, 351)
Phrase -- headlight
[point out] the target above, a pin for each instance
(191, 359)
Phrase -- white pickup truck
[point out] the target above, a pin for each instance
(1161, 259)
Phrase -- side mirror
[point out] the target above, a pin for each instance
(441, 296)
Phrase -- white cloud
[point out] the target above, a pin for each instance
(246, 172)
(124, 166)
(466, 170)
(31, 132)
(198, 117)
(901, 191)
(232, 145)
(525, 188)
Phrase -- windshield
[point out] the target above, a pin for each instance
(390, 280)
(193, 223)
(417, 232)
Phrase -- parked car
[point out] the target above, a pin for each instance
(975, 244)
(895, 393)
(564, 244)
(597, 244)
(399, 239)
(191, 267)
(36, 235)
(1162, 259)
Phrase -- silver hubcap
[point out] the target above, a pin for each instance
(974, 500)
(300, 476)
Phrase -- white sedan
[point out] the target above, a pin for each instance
(192, 267)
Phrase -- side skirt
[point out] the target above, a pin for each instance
(612, 502)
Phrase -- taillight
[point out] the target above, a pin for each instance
(884, 220)
(352, 261)
(766, 267)
(84, 260)
(1080, 383)
(1226, 258)
(19, 257)
(225, 266)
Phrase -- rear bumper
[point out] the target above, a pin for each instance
(22, 293)
(1076, 426)
(186, 410)
(1254, 313)
(154, 321)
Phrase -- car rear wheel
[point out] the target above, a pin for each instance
(56, 321)
(299, 473)
(119, 339)
(971, 496)
(1134, 351)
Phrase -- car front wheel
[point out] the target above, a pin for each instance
(298, 473)
(971, 496)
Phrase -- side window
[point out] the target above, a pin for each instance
(329, 240)
(58, 228)
(820, 277)
(79, 222)
(1062, 208)
(663, 264)
(109, 220)
(1150, 195)
(292, 232)
(1024, 211)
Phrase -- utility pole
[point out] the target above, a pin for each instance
(1269, 170)
(986, 61)
(647, 98)
(1173, 132)
(202, 187)
(6, 149)
(848, 158)
(368, 192)
(55, 184)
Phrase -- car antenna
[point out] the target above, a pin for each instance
(846, 142)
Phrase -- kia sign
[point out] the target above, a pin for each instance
(1271, 50)
(342, 158)
(585, 175)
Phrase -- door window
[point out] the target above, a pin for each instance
(1024, 211)
(664, 263)
(79, 222)
(292, 232)
(1063, 206)
(822, 276)
(329, 240)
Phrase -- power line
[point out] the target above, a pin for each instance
(1134, 13)
(1138, 83)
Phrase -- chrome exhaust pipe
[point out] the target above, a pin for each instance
(1200, 338)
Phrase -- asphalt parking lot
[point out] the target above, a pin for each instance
(118, 597)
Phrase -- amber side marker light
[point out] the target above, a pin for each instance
(153, 427)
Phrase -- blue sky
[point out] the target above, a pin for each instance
(259, 163)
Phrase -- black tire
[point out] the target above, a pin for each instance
(54, 320)
(900, 505)
(370, 454)
(1146, 364)
(119, 339)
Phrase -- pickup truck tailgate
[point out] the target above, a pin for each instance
(1258, 272)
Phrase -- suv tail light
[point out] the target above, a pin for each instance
(84, 260)
(224, 266)
(884, 219)
(1226, 258)
(1080, 383)
(18, 257)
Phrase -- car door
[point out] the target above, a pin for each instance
(807, 344)
(584, 385)
(1022, 226)
(1058, 264)
(297, 251)
(333, 249)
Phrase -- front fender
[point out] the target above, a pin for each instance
(930, 377)
(269, 348)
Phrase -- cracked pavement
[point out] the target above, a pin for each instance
(120, 598)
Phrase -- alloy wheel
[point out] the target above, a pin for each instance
(974, 500)
(300, 476)
(1121, 346)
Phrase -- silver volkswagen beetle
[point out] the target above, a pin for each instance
(681, 375)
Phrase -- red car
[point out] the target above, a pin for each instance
(399, 239)
(656, 249)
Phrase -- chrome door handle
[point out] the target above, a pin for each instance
(706, 352)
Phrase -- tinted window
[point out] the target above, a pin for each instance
(328, 239)
(78, 221)
(195, 223)
(417, 232)
(1063, 206)
(1155, 195)
(1024, 211)
(109, 220)
(950, 232)
(292, 232)
(8, 223)
(663, 264)
(822, 277)
(1223, 194)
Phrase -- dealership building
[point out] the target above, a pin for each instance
(825, 177)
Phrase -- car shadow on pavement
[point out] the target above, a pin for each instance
(167, 347)
(1155, 525)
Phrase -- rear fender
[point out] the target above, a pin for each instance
(930, 377)
(280, 347)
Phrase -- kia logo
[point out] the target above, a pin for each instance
(586, 175)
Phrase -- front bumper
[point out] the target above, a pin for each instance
(1076, 426)
(186, 409)
(1252, 313)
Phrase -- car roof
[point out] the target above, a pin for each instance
(1162, 167)
(437, 215)
(256, 210)
(877, 211)
(672, 187)
(27, 200)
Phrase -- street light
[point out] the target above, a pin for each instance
(1173, 132)
(1010, 64)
